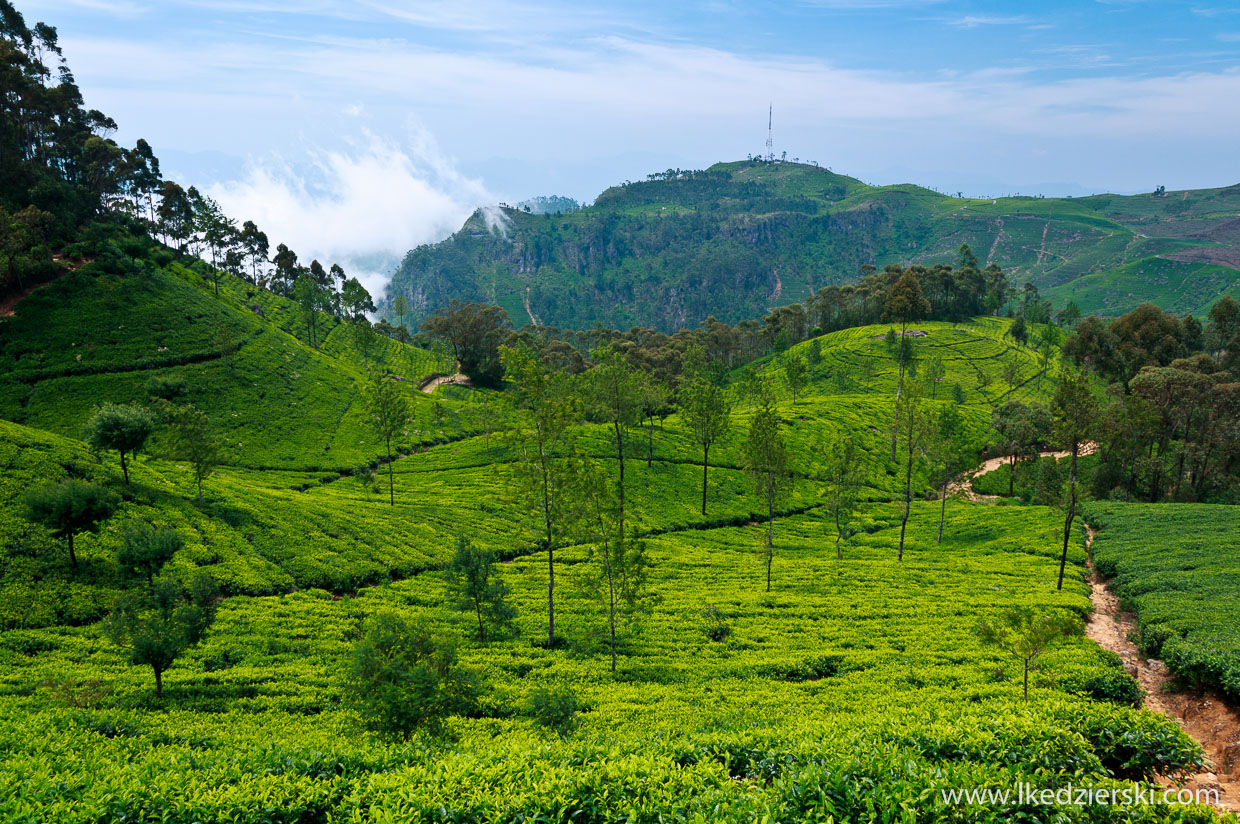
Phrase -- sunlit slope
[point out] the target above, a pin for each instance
(268, 530)
(85, 340)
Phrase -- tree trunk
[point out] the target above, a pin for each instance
(550, 555)
(72, 554)
(908, 485)
(159, 683)
(839, 533)
(650, 443)
(895, 421)
(550, 595)
(199, 478)
(1011, 475)
(1067, 524)
(1026, 680)
(620, 456)
(705, 464)
(124, 467)
(770, 537)
(391, 477)
(482, 630)
(612, 593)
(942, 506)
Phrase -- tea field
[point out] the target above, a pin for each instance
(855, 690)
(1177, 566)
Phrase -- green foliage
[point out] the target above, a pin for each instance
(389, 414)
(191, 439)
(144, 549)
(555, 708)
(1025, 634)
(1176, 564)
(69, 507)
(663, 254)
(707, 415)
(475, 332)
(766, 461)
(715, 624)
(401, 678)
(165, 387)
(157, 624)
(474, 581)
(123, 428)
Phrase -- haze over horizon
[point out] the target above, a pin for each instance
(358, 129)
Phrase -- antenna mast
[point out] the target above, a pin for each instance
(770, 144)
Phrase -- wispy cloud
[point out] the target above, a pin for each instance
(124, 9)
(972, 21)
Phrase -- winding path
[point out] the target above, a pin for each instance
(1204, 716)
(964, 484)
(434, 383)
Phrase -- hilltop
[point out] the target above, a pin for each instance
(738, 239)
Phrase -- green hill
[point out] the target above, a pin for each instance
(738, 239)
(849, 674)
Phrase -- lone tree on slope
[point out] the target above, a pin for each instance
(388, 410)
(69, 507)
(124, 428)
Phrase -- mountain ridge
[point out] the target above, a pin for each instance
(740, 238)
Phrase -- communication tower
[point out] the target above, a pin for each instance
(770, 143)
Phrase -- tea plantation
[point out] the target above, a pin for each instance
(1177, 566)
(856, 690)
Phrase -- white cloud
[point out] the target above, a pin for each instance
(972, 21)
(378, 200)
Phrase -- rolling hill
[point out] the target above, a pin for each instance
(740, 238)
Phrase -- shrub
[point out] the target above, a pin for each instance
(554, 708)
(165, 387)
(401, 678)
(716, 626)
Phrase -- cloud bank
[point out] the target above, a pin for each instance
(362, 207)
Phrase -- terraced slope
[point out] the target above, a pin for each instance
(1176, 565)
(855, 690)
(279, 403)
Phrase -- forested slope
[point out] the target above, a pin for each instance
(737, 239)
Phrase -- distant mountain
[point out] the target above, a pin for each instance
(738, 239)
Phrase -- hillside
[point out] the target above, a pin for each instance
(811, 700)
(740, 238)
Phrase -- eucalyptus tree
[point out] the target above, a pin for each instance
(708, 416)
(613, 396)
(766, 460)
(389, 415)
(69, 507)
(121, 427)
(844, 473)
(546, 473)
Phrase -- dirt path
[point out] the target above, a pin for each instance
(1045, 229)
(434, 383)
(526, 299)
(964, 485)
(991, 254)
(1205, 717)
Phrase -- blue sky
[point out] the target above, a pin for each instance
(437, 105)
